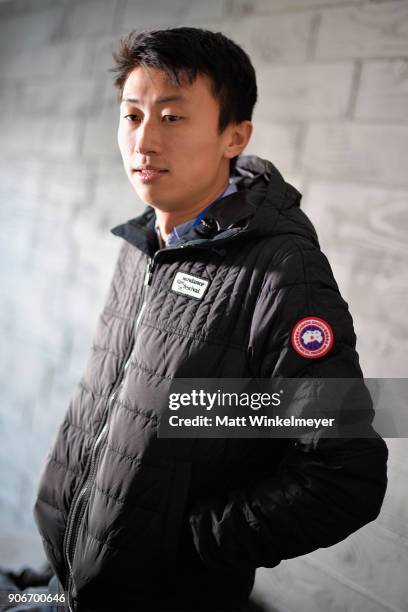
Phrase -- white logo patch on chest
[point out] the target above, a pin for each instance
(187, 284)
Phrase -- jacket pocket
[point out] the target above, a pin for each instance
(176, 506)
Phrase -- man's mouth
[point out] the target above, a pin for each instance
(149, 174)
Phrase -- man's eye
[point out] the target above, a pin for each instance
(168, 118)
(172, 118)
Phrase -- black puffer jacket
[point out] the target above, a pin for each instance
(132, 521)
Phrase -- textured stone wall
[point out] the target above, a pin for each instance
(332, 115)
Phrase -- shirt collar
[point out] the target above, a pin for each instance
(180, 230)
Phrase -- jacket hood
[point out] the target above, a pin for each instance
(265, 204)
(277, 202)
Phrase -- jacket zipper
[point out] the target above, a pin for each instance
(79, 505)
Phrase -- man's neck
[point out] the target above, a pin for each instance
(168, 220)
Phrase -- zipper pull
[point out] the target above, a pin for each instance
(149, 272)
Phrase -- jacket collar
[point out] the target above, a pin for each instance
(179, 232)
(224, 219)
(260, 207)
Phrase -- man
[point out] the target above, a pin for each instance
(134, 521)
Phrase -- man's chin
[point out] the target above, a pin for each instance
(153, 197)
(155, 202)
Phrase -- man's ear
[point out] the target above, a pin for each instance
(239, 135)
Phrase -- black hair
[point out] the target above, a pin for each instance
(185, 52)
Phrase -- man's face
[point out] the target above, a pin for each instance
(177, 135)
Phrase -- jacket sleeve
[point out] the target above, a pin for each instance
(319, 493)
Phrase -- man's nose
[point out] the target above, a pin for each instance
(146, 138)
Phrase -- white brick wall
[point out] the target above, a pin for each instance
(304, 91)
(145, 13)
(283, 38)
(359, 151)
(362, 231)
(332, 115)
(47, 62)
(383, 91)
(39, 28)
(370, 30)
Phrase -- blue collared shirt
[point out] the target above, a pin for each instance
(180, 230)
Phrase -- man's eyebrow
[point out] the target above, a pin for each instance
(170, 98)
